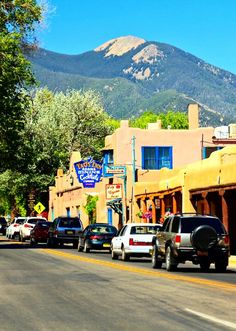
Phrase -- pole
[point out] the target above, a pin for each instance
(133, 177)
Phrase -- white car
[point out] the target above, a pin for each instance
(27, 226)
(134, 239)
(13, 229)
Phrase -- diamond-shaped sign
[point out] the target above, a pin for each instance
(39, 207)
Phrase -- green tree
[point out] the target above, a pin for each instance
(17, 24)
(173, 120)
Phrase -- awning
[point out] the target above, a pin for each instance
(116, 205)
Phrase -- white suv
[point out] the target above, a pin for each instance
(27, 226)
(134, 239)
(13, 229)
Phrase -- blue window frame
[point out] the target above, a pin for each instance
(108, 157)
(157, 157)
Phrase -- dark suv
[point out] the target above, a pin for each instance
(3, 225)
(64, 230)
(191, 237)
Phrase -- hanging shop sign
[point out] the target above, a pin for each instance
(89, 172)
(110, 170)
(113, 191)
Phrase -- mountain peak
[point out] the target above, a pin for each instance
(120, 46)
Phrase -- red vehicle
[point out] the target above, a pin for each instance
(39, 233)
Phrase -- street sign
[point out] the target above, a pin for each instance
(39, 207)
(89, 172)
(114, 170)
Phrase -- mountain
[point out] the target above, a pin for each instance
(133, 75)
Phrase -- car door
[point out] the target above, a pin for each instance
(83, 236)
(162, 235)
(118, 240)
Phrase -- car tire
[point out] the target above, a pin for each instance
(156, 264)
(171, 264)
(205, 265)
(86, 248)
(80, 248)
(204, 237)
(32, 243)
(124, 255)
(221, 266)
(114, 256)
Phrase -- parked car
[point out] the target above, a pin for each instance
(191, 237)
(134, 239)
(27, 226)
(39, 233)
(3, 225)
(13, 229)
(96, 236)
(64, 229)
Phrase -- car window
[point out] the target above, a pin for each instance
(3, 220)
(70, 223)
(33, 220)
(103, 230)
(175, 225)
(150, 229)
(188, 224)
(166, 224)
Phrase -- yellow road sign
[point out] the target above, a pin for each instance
(39, 207)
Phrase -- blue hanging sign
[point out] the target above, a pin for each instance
(88, 172)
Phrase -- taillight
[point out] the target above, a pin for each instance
(26, 225)
(15, 225)
(226, 239)
(95, 237)
(55, 232)
(177, 238)
(139, 243)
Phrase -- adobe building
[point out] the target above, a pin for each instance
(133, 156)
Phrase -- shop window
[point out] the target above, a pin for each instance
(108, 157)
(157, 157)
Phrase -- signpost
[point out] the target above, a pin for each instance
(113, 191)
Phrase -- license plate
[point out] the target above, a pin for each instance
(199, 253)
(106, 245)
(69, 232)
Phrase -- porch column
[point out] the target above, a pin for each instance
(224, 206)
(154, 220)
(206, 207)
(174, 204)
(163, 206)
(143, 205)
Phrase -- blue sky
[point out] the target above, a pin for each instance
(204, 28)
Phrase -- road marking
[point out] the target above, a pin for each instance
(212, 319)
(151, 272)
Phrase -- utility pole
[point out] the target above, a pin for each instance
(133, 178)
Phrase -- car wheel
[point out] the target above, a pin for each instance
(124, 255)
(114, 256)
(171, 263)
(32, 243)
(86, 248)
(156, 264)
(221, 266)
(205, 265)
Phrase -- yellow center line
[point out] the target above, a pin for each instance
(153, 273)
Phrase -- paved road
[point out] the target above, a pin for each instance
(61, 289)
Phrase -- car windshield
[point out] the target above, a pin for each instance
(43, 224)
(3, 220)
(20, 220)
(150, 229)
(188, 224)
(33, 220)
(70, 223)
(104, 230)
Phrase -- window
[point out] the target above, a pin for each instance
(157, 157)
(108, 157)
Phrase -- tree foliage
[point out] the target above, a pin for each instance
(17, 24)
(173, 120)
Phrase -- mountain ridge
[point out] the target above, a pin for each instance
(133, 75)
